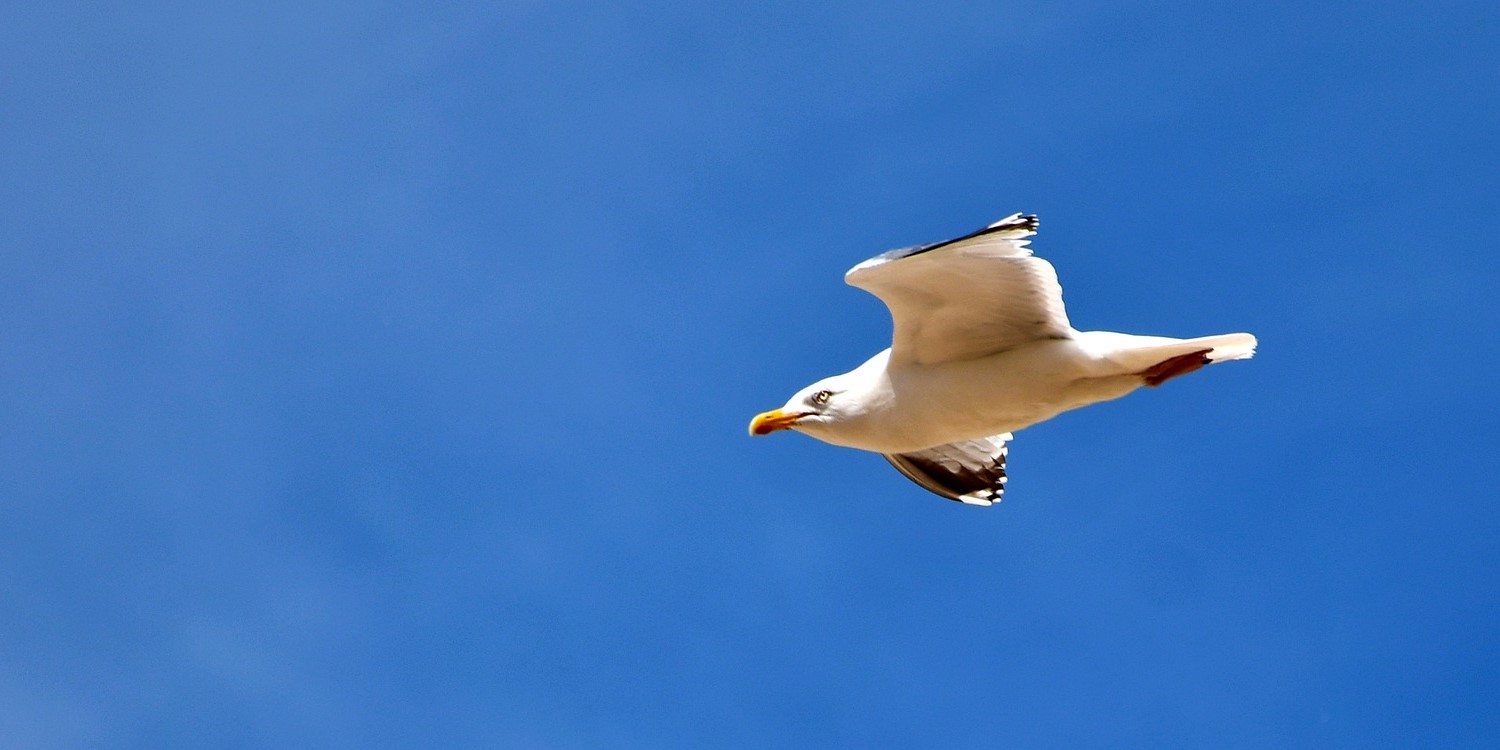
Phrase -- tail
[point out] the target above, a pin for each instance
(1225, 346)
(1207, 350)
(1157, 359)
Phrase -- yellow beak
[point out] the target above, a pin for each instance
(773, 420)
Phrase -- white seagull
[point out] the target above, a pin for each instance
(982, 348)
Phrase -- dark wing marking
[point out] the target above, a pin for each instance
(970, 472)
(1024, 224)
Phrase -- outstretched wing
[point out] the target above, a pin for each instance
(968, 297)
(971, 472)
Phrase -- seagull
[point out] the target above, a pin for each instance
(981, 349)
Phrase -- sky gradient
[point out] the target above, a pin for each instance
(376, 375)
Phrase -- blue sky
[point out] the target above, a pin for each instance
(377, 375)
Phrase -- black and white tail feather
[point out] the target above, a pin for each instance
(971, 472)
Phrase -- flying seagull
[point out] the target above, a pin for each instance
(982, 348)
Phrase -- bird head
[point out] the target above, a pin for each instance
(812, 408)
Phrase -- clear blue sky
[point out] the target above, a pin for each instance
(377, 375)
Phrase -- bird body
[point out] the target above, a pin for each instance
(905, 407)
(982, 348)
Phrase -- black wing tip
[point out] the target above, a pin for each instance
(1021, 222)
(981, 485)
(1012, 223)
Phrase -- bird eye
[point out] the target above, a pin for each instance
(821, 397)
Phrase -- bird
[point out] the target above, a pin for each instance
(981, 348)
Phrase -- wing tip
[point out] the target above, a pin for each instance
(956, 472)
(1017, 226)
(986, 497)
(1027, 223)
